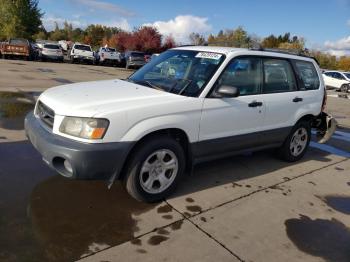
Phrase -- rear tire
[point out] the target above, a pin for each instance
(155, 169)
(297, 142)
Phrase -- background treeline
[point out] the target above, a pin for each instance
(22, 18)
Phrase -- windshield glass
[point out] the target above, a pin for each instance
(83, 47)
(181, 72)
(347, 75)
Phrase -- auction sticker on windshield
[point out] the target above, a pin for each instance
(209, 55)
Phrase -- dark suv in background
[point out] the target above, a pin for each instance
(134, 59)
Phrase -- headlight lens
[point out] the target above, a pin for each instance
(88, 128)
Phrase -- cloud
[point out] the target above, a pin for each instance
(181, 26)
(341, 44)
(50, 20)
(338, 48)
(122, 23)
(106, 6)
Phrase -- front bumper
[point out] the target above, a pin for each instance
(88, 161)
(84, 58)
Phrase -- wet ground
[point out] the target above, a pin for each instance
(252, 207)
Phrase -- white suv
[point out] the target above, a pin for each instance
(189, 104)
(337, 80)
(82, 53)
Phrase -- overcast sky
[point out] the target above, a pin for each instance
(325, 24)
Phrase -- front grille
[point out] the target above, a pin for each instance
(46, 114)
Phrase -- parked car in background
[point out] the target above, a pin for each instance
(51, 52)
(189, 105)
(16, 47)
(338, 80)
(134, 59)
(65, 45)
(110, 56)
(82, 53)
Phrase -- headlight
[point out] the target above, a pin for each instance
(89, 128)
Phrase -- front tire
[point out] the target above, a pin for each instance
(344, 88)
(155, 169)
(297, 142)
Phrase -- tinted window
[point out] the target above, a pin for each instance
(52, 46)
(330, 74)
(308, 75)
(136, 54)
(278, 76)
(338, 76)
(83, 47)
(243, 73)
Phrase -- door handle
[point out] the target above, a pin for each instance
(297, 99)
(255, 104)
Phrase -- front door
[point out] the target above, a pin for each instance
(233, 124)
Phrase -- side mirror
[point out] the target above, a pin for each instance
(227, 91)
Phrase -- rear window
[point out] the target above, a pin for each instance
(308, 74)
(83, 47)
(137, 54)
(18, 42)
(51, 46)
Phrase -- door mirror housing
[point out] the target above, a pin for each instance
(227, 91)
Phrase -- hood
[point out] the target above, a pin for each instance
(87, 99)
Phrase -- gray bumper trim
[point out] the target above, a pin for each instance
(89, 161)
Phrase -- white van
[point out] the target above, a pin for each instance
(188, 105)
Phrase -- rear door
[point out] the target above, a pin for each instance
(233, 124)
(281, 97)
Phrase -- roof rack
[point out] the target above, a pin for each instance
(304, 53)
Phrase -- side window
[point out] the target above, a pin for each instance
(340, 76)
(308, 75)
(243, 73)
(278, 76)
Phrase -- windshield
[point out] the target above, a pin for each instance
(347, 75)
(83, 47)
(181, 72)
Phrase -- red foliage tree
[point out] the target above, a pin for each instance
(169, 42)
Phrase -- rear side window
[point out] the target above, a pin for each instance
(308, 75)
(243, 73)
(278, 76)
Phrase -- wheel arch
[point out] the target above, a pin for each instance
(174, 133)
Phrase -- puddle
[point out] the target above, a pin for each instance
(339, 203)
(12, 114)
(6, 95)
(45, 217)
(328, 239)
(62, 80)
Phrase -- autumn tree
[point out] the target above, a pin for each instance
(232, 37)
(197, 39)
